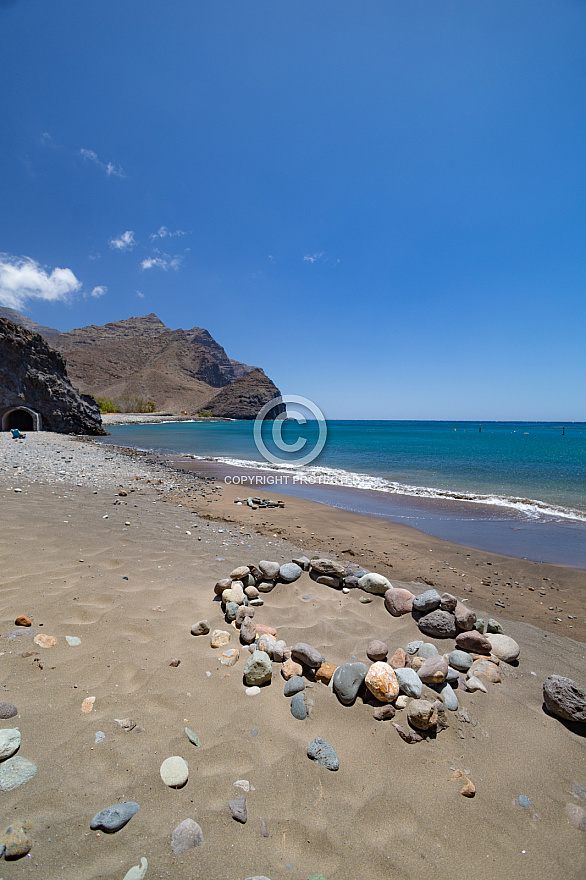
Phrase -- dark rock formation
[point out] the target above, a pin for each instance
(244, 397)
(34, 375)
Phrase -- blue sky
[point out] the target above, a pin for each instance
(381, 203)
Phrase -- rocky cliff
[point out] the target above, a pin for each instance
(244, 397)
(32, 374)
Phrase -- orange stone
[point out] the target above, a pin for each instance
(400, 659)
(23, 620)
(291, 668)
(44, 641)
(88, 704)
(382, 682)
(325, 672)
(268, 630)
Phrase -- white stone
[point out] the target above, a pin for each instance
(9, 742)
(252, 691)
(174, 771)
(73, 641)
(138, 872)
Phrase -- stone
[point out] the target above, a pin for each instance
(307, 655)
(350, 582)
(413, 647)
(325, 672)
(303, 562)
(563, 698)
(479, 625)
(417, 663)
(187, 835)
(99, 737)
(474, 684)
(291, 668)
(137, 872)
(266, 643)
(255, 572)
(219, 638)
(258, 669)
(383, 713)
(427, 602)
(365, 600)
(251, 592)
(438, 624)
(256, 602)
(224, 584)
(192, 737)
(23, 620)
(422, 714)
(401, 702)
(484, 666)
(426, 650)
(374, 583)
(44, 641)
(270, 570)
(465, 618)
(258, 876)
(347, 681)
(469, 789)
(265, 586)
(174, 771)
(434, 670)
(238, 810)
(73, 641)
(15, 841)
(264, 628)
(235, 593)
(448, 696)
(523, 801)
(201, 628)
(239, 573)
(460, 660)
(114, 818)
(242, 611)
(294, 686)
(400, 659)
(299, 707)
(399, 601)
(504, 647)
(253, 691)
(9, 742)
(229, 656)
(327, 567)
(473, 641)
(448, 602)
(376, 650)
(493, 626)
(247, 631)
(453, 676)
(576, 815)
(320, 751)
(409, 682)
(14, 772)
(232, 610)
(318, 876)
(408, 735)
(290, 572)
(329, 581)
(382, 683)
(7, 710)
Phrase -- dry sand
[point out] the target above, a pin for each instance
(391, 811)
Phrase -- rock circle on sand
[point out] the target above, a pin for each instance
(258, 669)
(377, 584)
(114, 818)
(320, 751)
(427, 601)
(565, 698)
(290, 572)
(174, 771)
(347, 681)
(382, 683)
(438, 624)
(187, 835)
(15, 772)
(9, 742)
(399, 601)
(504, 647)
(377, 650)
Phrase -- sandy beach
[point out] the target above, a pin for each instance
(129, 574)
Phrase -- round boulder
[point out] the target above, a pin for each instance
(290, 572)
(422, 714)
(270, 570)
(399, 601)
(376, 650)
(565, 698)
(374, 583)
(434, 670)
(307, 655)
(382, 683)
(347, 680)
(473, 641)
(426, 602)
(258, 669)
(438, 625)
(504, 647)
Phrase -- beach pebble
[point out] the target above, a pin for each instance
(307, 655)
(232, 609)
(247, 631)
(15, 841)
(251, 592)
(7, 710)
(473, 641)
(409, 736)
(409, 682)
(382, 683)
(347, 681)
(9, 742)
(325, 672)
(229, 656)
(291, 668)
(413, 647)
(23, 620)
(493, 626)
(256, 602)
(579, 789)
(323, 753)
(426, 650)
(524, 801)
(484, 666)
(234, 594)
(479, 625)
(448, 602)
(270, 570)
(453, 676)
(564, 698)
(221, 585)
(318, 876)
(192, 737)
(465, 617)
(187, 835)
(460, 660)
(265, 586)
(399, 601)
(14, 772)
(239, 573)
(401, 702)
(328, 581)
(576, 816)
(434, 670)
(504, 647)
(219, 638)
(114, 818)
(422, 714)
(265, 628)
(298, 707)
(174, 771)
(383, 713)
(238, 809)
(258, 669)
(175, 661)
(242, 612)
(427, 601)
(374, 583)
(201, 628)
(303, 562)
(448, 696)
(44, 641)
(400, 659)
(73, 641)
(377, 650)
(258, 877)
(264, 831)
(290, 572)
(294, 686)
(350, 583)
(137, 872)
(438, 624)
(253, 691)
(365, 600)
(327, 567)
(474, 684)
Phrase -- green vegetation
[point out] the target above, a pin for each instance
(136, 405)
(106, 405)
(204, 414)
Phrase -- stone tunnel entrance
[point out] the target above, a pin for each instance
(21, 417)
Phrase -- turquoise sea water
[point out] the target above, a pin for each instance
(526, 472)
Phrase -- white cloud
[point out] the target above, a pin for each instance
(99, 291)
(138, 293)
(163, 232)
(22, 279)
(125, 242)
(165, 261)
(313, 258)
(109, 167)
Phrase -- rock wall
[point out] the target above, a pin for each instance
(244, 397)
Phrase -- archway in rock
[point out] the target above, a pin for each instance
(22, 418)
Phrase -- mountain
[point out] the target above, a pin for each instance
(27, 323)
(244, 397)
(33, 375)
(139, 359)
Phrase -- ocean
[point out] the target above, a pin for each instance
(517, 488)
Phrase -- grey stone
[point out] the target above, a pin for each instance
(438, 625)
(422, 714)
(238, 809)
(258, 669)
(9, 742)
(524, 801)
(374, 583)
(377, 650)
(187, 835)
(243, 611)
(307, 655)
(351, 582)
(294, 685)
(290, 572)
(448, 602)
(448, 696)
(383, 713)
(562, 697)
(427, 650)
(114, 818)
(409, 682)
(427, 601)
(14, 772)
(479, 625)
(413, 647)
(465, 617)
(270, 570)
(327, 566)
(460, 660)
(73, 641)
(434, 670)
(493, 626)
(329, 580)
(247, 631)
(232, 609)
(303, 562)
(201, 628)
(323, 753)
(192, 737)
(265, 586)
(504, 647)
(347, 681)
(453, 676)
(298, 707)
